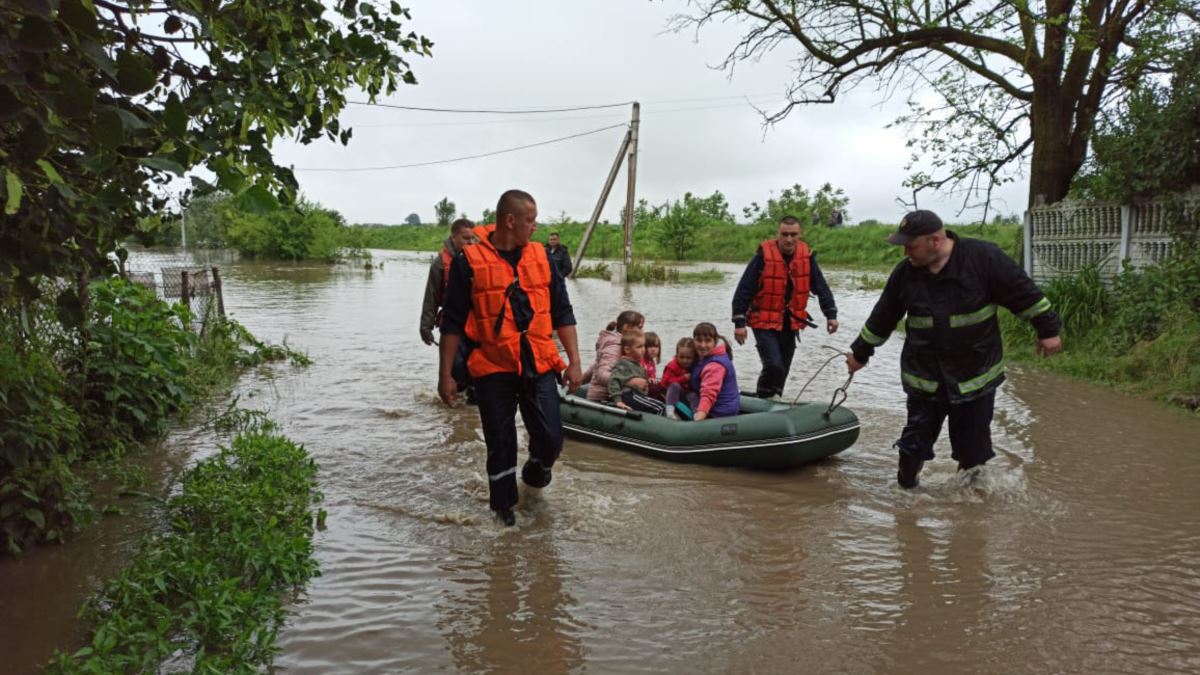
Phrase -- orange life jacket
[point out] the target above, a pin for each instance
(766, 308)
(500, 352)
(447, 258)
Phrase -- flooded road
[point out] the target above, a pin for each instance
(1077, 550)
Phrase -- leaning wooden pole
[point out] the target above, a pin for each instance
(632, 183)
(608, 183)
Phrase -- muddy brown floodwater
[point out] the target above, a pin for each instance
(1077, 550)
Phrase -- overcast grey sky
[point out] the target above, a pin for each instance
(698, 132)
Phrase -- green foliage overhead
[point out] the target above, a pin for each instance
(1150, 146)
(994, 86)
(102, 103)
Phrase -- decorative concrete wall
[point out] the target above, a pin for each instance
(1064, 238)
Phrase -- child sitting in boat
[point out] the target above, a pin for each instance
(651, 358)
(676, 382)
(713, 376)
(608, 351)
(627, 383)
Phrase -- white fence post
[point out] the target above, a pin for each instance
(1128, 214)
(1028, 247)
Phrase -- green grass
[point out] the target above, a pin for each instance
(862, 247)
(1142, 336)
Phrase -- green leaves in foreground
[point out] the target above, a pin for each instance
(212, 584)
(104, 104)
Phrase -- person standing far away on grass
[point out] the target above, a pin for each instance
(559, 255)
(506, 297)
(772, 298)
(462, 234)
(953, 358)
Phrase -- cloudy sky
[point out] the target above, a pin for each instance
(699, 131)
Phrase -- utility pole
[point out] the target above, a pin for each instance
(628, 149)
(183, 226)
(632, 183)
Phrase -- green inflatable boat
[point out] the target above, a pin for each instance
(766, 435)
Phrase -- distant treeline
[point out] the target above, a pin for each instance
(857, 246)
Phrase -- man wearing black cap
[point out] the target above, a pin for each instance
(952, 360)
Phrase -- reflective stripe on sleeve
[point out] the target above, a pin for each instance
(1040, 307)
(871, 338)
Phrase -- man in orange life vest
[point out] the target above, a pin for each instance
(772, 298)
(506, 298)
(462, 234)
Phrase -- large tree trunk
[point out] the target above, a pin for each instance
(1054, 162)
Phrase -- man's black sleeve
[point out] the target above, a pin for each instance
(887, 313)
(566, 266)
(457, 303)
(561, 312)
(746, 289)
(821, 288)
(1015, 291)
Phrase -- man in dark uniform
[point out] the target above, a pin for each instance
(772, 297)
(559, 255)
(952, 361)
(506, 298)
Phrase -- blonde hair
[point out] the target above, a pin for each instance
(630, 337)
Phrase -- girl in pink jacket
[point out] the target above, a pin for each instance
(608, 350)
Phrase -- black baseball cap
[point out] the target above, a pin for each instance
(915, 224)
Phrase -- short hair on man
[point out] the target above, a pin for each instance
(790, 220)
(460, 225)
(511, 201)
(553, 234)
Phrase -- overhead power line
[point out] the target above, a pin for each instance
(459, 159)
(645, 113)
(497, 111)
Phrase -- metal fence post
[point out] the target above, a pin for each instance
(185, 295)
(220, 293)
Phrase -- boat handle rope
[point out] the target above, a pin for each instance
(834, 402)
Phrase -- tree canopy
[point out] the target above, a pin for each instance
(103, 103)
(1013, 80)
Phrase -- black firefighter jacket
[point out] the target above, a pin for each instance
(952, 342)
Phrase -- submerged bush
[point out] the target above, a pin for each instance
(238, 535)
(68, 397)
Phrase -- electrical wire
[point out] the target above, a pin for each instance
(645, 113)
(459, 159)
(496, 111)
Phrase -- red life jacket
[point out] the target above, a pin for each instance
(766, 308)
(500, 352)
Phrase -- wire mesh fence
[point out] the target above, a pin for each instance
(197, 288)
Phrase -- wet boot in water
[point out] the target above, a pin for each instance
(910, 467)
(506, 516)
(535, 474)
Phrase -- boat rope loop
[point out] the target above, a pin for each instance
(839, 394)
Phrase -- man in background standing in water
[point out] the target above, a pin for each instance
(772, 298)
(506, 298)
(559, 255)
(461, 235)
(953, 357)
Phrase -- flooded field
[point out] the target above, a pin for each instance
(1075, 551)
